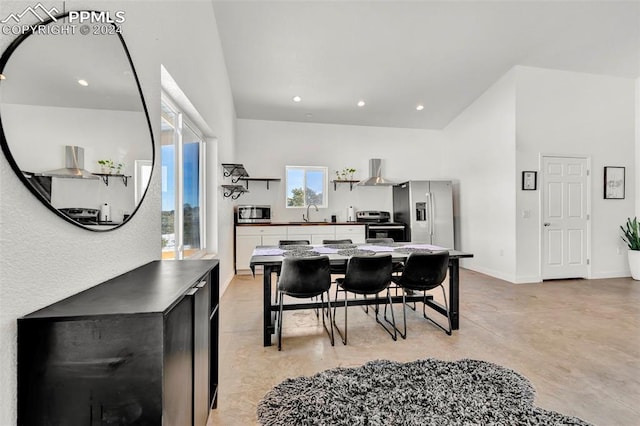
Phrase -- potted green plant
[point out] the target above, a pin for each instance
(631, 236)
(106, 166)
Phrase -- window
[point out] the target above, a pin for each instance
(182, 156)
(306, 186)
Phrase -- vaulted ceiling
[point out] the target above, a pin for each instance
(395, 55)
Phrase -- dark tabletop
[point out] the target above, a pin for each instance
(151, 288)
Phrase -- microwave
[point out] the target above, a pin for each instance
(253, 214)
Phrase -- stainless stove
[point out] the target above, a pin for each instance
(379, 225)
(82, 215)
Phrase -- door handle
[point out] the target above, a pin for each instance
(547, 224)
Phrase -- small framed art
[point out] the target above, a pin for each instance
(613, 183)
(529, 180)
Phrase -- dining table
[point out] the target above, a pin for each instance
(270, 258)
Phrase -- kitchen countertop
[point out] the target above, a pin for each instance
(300, 224)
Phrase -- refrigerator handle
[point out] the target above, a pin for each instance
(430, 213)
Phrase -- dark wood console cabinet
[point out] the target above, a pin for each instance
(139, 349)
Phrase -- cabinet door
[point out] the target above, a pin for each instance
(318, 238)
(178, 365)
(273, 240)
(244, 249)
(201, 300)
(357, 234)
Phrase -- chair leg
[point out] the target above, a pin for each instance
(424, 313)
(403, 333)
(330, 317)
(393, 334)
(342, 336)
(280, 323)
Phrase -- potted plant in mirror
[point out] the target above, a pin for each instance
(631, 236)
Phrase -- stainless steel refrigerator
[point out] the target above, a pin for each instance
(426, 207)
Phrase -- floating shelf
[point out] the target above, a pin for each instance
(105, 177)
(250, 179)
(350, 182)
(230, 190)
(236, 171)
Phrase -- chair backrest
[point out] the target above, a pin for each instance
(345, 241)
(424, 271)
(293, 242)
(379, 240)
(367, 274)
(305, 276)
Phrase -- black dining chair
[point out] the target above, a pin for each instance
(288, 243)
(379, 240)
(293, 242)
(338, 269)
(343, 241)
(424, 272)
(397, 266)
(305, 277)
(366, 275)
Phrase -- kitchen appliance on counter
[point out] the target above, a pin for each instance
(378, 225)
(82, 215)
(426, 207)
(253, 214)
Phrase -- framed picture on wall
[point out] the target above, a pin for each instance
(613, 183)
(529, 181)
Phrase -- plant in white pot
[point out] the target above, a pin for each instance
(632, 238)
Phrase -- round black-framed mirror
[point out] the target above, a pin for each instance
(74, 125)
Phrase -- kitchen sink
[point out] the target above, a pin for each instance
(309, 223)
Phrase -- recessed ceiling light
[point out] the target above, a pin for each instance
(297, 99)
(420, 107)
(308, 115)
(361, 103)
(83, 82)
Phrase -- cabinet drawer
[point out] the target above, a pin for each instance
(311, 230)
(350, 230)
(260, 230)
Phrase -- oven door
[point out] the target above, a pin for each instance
(397, 231)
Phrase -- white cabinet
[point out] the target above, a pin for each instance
(311, 233)
(356, 233)
(248, 237)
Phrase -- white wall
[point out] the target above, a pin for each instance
(480, 153)
(43, 258)
(637, 156)
(561, 112)
(266, 147)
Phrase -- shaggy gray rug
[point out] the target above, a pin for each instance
(424, 392)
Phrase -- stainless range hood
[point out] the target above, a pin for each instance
(74, 165)
(375, 175)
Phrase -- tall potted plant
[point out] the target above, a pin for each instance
(632, 238)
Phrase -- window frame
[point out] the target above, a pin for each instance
(325, 185)
(182, 122)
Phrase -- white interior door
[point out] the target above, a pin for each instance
(565, 217)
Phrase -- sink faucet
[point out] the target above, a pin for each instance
(306, 219)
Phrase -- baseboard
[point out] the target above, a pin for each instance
(530, 279)
(610, 274)
(493, 273)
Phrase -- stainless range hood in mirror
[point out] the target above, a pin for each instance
(67, 88)
(375, 175)
(74, 165)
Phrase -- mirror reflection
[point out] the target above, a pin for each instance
(74, 126)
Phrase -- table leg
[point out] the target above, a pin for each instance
(454, 292)
(267, 322)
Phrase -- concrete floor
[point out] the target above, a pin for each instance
(578, 342)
